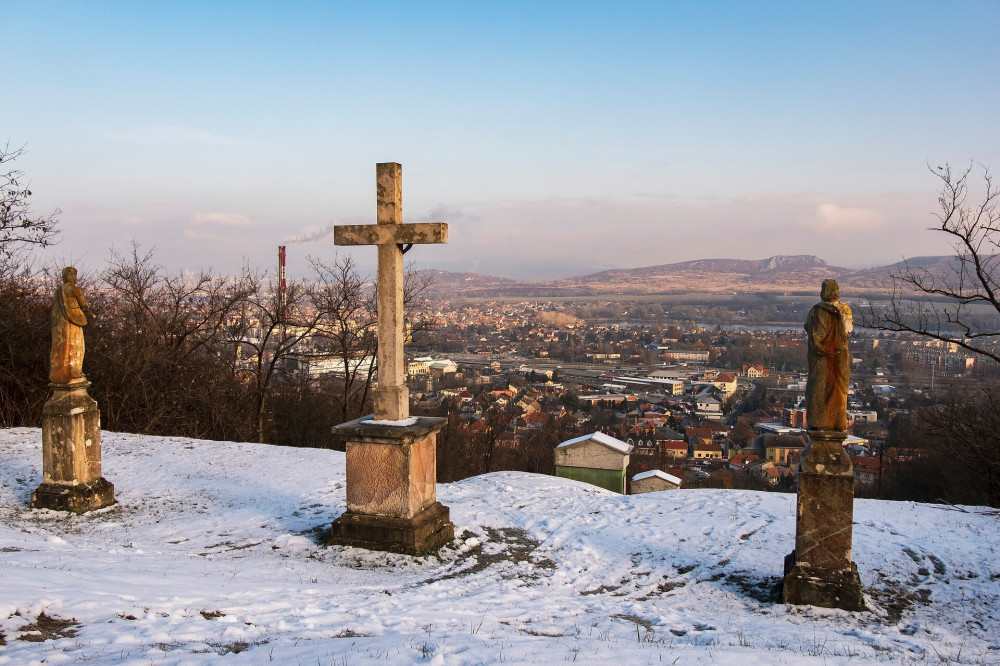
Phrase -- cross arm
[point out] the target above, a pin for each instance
(385, 234)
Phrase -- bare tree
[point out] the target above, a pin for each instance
(348, 325)
(19, 226)
(24, 348)
(158, 349)
(186, 313)
(346, 331)
(269, 325)
(960, 304)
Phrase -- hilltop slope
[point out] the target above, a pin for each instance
(214, 553)
(778, 274)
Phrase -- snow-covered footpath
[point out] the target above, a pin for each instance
(215, 553)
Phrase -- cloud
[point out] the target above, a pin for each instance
(221, 220)
(198, 235)
(831, 218)
(134, 221)
(172, 134)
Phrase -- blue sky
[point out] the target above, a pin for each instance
(554, 138)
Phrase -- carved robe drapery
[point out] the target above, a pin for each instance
(828, 327)
(68, 320)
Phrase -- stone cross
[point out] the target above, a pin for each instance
(392, 401)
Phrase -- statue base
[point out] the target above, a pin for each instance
(81, 498)
(826, 588)
(819, 571)
(71, 453)
(424, 533)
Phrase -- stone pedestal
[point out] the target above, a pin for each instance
(392, 488)
(71, 453)
(819, 572)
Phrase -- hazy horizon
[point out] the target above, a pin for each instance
(555, 139)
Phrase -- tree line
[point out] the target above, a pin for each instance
(202, 355)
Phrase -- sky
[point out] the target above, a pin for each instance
(555, 138)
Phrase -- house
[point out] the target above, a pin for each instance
(863, 416)
(675, 449)
(773, 475)
(708, 403)
(418, 366)
(597, 458)
(702, 450)
(529, 406)
(866, 470)
(754, 371)
(708, 406)
(654, 481)
(533, 420)
(784, 449)
(743, 461)
(726, 382)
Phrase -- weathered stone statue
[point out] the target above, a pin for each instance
(820, 571)
(828, 327)
(68, 320)
(71, 420)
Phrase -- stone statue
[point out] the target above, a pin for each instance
(68, 320)
(828, 327)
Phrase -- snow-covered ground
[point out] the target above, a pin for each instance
(215, 553)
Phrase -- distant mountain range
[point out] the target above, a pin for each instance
(793, 274)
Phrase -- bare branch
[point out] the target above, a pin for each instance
(19, 225)
(961, 303)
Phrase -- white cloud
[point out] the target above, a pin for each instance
(172, 134)
(831, 218)
(198, 235)
(221, 220)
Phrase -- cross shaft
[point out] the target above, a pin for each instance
(391, 397)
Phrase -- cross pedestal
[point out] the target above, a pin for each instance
(71, 453)
(392, 488)
(391, 462)
(819, 572)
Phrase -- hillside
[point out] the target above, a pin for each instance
(215, 553)
(778, 274)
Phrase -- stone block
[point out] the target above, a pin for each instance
(81, 498)
(71, 453)
(819, 572)
(71, 437)
(824, 515)
(391, 479)
(424, 533)
(826, 588)
(392, 487)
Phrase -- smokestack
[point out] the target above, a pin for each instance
(281, 282)
(281, 270)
